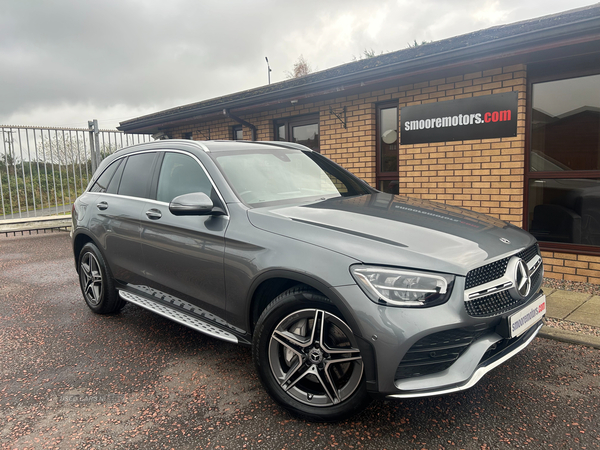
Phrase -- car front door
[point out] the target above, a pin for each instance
(183, 255)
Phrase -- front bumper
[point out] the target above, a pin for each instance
(482, 368)
(394, 333)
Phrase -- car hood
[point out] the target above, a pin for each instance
(396, 231)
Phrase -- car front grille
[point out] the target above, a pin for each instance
(438, 351)
(500, 302)
(495, 270)
(486, 273)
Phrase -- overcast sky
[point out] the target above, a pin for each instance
(63, 63)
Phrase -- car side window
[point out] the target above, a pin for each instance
(104, 180)
(136, 177)
(181, 174)
(113, 185)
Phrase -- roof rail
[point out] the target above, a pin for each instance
(284, 144)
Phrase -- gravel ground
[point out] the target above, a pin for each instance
(573, 326)
(573, 286)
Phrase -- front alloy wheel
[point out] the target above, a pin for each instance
(312, 358)
(308, 358)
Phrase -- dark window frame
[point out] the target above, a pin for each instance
(295, 121)
(379, 174)
(542, 74)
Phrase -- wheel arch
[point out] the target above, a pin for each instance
(272, 283)
(79, 240)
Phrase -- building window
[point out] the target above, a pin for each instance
(387, 148)
(188, 135)
(237, 133)
(563, 177)
(303, 130)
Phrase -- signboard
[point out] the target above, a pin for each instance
(485, 117)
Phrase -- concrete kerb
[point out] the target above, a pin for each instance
(577, 307)
(29, 224)
(570, 337)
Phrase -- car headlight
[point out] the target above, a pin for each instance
(398, 287)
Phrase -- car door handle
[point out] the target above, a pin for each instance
(153, 214)
(102, 206)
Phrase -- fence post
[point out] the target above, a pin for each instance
(94, 143)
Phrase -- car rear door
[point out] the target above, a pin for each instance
(119, 204)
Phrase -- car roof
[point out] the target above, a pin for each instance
(215, 146)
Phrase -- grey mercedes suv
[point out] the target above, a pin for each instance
(343, 292)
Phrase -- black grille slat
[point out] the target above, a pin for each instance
(447, 358)
(444, 339)
(436, 352)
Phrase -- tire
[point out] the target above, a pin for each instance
(315, 372)
(97, 285)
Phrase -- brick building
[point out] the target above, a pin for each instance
(503, 121)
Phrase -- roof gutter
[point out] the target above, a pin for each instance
(227, 113)
(547, 38)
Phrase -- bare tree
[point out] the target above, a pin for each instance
(301, 68)
(61, 148)
(9, 159)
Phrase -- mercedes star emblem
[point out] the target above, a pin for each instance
(522, 278)
(518, 271)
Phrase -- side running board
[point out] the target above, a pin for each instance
(178, 316)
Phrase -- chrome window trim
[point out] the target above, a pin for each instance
(163, 150)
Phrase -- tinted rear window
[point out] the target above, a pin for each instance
(136, 175)
(103, 180)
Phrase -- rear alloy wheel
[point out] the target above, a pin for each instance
(96, 284)
(308, 357)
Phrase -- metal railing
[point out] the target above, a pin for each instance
(43, 170)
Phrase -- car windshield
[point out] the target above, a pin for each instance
(280, 175)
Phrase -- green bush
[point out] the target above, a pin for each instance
(43, 186)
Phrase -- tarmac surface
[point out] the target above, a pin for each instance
(73, 379)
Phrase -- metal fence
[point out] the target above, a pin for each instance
(43, 170)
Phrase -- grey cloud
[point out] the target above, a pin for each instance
(166, 53)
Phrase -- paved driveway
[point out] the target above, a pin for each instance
(71, 379)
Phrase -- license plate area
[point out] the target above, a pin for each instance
(519, 322)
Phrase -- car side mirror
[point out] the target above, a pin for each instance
(194, 204)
